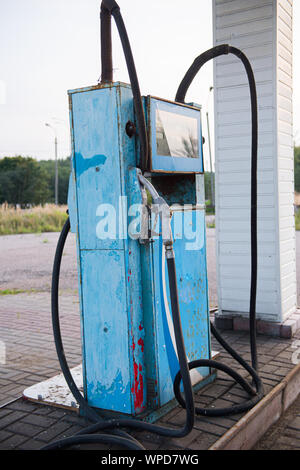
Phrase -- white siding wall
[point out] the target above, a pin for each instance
(263, 30)
(285, 156)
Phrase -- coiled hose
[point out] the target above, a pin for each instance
(116, 435)
(100, 424)
(258, 392)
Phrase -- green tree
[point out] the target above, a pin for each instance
(297, 168)
(22, 181)
(64, 168)
(207, 183)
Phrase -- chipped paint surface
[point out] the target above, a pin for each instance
(110, 286)
(193, 298)
(141, 344)
(108, 390)
(138, 387)
(125, 358)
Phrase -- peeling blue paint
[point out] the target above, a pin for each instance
(111, 309)
(83, 164)
(127, 342)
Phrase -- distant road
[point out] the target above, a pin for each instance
(26, 262)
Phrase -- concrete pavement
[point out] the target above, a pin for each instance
(31, 357)
(25, 329)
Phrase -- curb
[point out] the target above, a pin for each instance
(251, 427)
(286, 329)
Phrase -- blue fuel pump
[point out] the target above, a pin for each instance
(130, 358)
(136, 204)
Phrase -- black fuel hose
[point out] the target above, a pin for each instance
(114, 425)
(180, 96)
(116, 435)
(111, 8)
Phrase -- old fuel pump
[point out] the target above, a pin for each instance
(136, 204)
(129, 352)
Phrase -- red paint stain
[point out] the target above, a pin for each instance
(141, 343)
(133, 346)
(137, 388)
(140, 327)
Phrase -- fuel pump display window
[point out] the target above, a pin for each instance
(175, 137)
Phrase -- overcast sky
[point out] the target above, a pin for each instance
(50, 46)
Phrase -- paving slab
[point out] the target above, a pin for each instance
(31, 357)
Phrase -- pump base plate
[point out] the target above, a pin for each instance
(55, 392)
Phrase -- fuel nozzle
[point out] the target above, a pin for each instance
(160, 207)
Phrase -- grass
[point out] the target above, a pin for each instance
(211, 225)
(17, 291)
(11, 291)
(209, 209)
(48, 218)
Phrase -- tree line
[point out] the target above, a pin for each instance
(24, 181)
(297, 168)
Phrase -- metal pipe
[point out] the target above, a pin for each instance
(112, 8)
(106, 46)
(56, 164)
(212, 185)
(56, 172)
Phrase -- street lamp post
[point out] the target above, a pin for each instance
(56, 163)
(212, 185)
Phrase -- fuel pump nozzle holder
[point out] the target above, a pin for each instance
(163, 210)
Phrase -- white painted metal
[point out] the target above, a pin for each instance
(55, 391)
(263, 30)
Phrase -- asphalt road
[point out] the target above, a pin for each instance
(26, 262)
